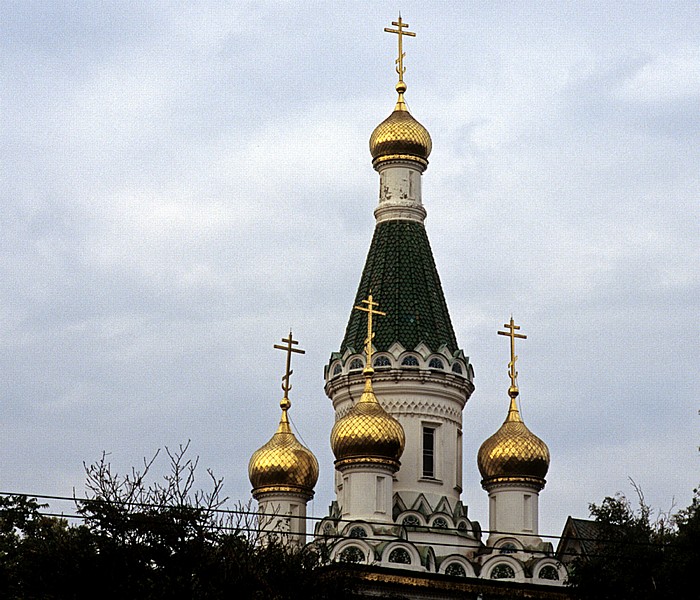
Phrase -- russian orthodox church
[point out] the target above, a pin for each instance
(399, 384)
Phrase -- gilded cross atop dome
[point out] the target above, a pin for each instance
(370, 309)
(400, 137)
(400, 69)
(283, 465)
(512, 328)
(289, 349)
(513, 454)
(368, 434)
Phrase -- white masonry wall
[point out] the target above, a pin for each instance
(365, 493)
(514, 513)
(416, 399)
(282, 517)
(400, 192)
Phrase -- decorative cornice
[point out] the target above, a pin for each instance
(388, 211)
(413, 407)
(263, 493)
(381, 160)
(452, 381)
(494, 483)
(416, 407)
(367, 462)
(441, 362)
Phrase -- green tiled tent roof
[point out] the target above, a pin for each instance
(400, 272)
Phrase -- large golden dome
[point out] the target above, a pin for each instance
(368, 434)
(400, 137)
(283, 464)
(513, 453)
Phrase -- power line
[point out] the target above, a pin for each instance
(326, 536)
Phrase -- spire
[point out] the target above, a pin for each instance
(400, 268)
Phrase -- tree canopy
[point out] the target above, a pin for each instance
(638, 556)
(163, 540)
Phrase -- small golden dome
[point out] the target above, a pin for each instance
(513, 453)
(283, 464)
(368, 434)
(400, 137)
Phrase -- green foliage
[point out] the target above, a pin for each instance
(636, 556)
(162, 540)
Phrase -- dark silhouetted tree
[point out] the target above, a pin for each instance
(151, 541)
(636, 556)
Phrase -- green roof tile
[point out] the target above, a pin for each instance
(400, 271)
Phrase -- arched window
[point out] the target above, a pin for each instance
(410, 361)
(352, 554)
(436, 363)
(328, 528)
(456, 570)
(440, 523)
(356, 364)
(411, 521)
(337, 369)
(382, 361)
(457, 368)
(549, 572)
(358, 532)
(503, 571)
(400, 556)
(508, 548)
(462, 526)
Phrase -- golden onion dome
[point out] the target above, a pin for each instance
(368, 434)
(513, 454)
(283, 464)
(400, 136)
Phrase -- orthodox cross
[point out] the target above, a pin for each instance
(370, 309)
(512, 335)
(290, 341)
(400, 69)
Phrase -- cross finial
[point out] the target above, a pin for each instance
(400, 69)
(286, 386)
(512, 327)
(370, 309)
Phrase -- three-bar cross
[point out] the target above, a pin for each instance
(290, 341)
(400, 69)
(512, 335)
(370, 310)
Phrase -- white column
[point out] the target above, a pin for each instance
(366, 493)
(400, 192)
(282, 517)
(514, 512)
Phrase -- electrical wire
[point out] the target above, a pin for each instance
(253, 514)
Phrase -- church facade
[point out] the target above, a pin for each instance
(399, 383)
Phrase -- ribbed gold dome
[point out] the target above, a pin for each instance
(283, 464)
(368, 434)
(400, 136)
(513, 453)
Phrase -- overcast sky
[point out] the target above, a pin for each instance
(181, 183)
